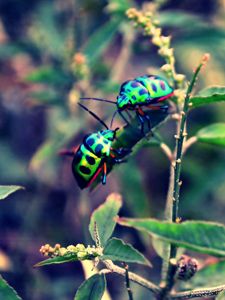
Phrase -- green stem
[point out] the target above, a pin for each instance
(176, 183)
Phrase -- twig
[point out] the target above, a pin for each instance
(207, 292)
(174, 189)
(133, 277)
(127, 281)
(189, 143)
(167, 151)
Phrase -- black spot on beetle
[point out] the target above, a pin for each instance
(77, 157)
(90, 159)
(134, 97)
(135, 84)
(85, 170)
(90, 141)
(105, 141)
(98, 149)
(154, 87)
(142, 92)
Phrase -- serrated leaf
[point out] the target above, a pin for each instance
(7, 292)
(203, 237)
(6, 190)
(221, 296)
(117, 250)
(92, 289)
(57, 260)
(104, 217)
(209, 95)
(212, 134)
(211, 275)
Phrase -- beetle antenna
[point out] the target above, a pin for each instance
(93, 115)
(99, 99)
(113, 117)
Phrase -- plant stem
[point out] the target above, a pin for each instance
(127, 280)
(175, 183)
(133, 277)
(207, 292)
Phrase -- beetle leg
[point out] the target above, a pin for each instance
(158, 107)
(128, 113)
(122, 116)
(140, 118)
(104, 173)
(121, 152)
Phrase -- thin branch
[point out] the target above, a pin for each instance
(133, 277)
(127, 281)
(188, 143)
(167, 151)
(207, 292)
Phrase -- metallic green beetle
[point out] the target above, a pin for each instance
(142, 91)
(93, 155)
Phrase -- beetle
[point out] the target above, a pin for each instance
(142, 91)
(94, 154)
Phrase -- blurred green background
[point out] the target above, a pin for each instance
(43, 74)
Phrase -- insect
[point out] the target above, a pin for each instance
(93, 155)
(142, 91)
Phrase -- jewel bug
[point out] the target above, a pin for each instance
(94, 154)
(143, 91)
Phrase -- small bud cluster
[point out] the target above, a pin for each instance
(146, 20)
(79, 66)
(186, 267)
(79, 250)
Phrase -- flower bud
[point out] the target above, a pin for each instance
(186, 267)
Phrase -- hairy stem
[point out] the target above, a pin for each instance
(133, 277)
(207, 292)
(174, 188)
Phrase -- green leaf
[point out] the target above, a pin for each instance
(48, 75)
(221, 296)
(7, 292)
(104, 217)
(57, 260)
(209, 95)
(101, 39)
(212, 134)
(117, 250)
(203, 237)
(92, 289)
(6, 190)
(211, 275)
(136, 197)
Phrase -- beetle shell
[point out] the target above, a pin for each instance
(88, 160)
(143, 90)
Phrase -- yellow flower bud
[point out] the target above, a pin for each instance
(80, 247)
(62, 251)
(72, 248)
(166, 68)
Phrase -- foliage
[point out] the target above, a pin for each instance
(69, 51)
